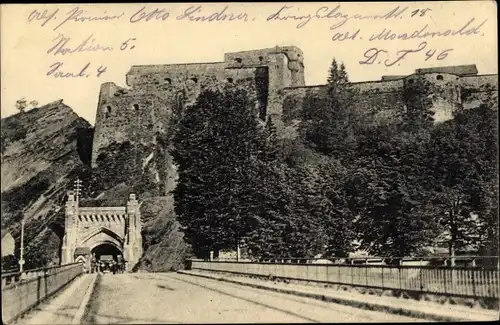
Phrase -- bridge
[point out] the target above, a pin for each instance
(99, 231)
(222, 291)
(231, 291)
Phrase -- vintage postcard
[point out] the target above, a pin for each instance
(249, 162)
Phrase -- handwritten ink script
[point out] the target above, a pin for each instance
(63, 45)
(198, 13)
(375, 55)
(76, 15)
(67, 45)
(56, 70)
(338, 21)
(344, 24)
(288, 12)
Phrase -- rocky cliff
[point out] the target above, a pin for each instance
(42, 152)
(45, 149)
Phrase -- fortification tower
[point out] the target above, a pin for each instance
(158, 92)
(131, 115)
(277, 68)
(445, 88)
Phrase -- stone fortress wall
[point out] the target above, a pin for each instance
(451, 87)
(276, 78)
(157, 92)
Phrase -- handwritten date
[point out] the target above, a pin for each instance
(420, 12)
(56, 71)
(378, 56)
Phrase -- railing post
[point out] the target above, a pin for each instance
(474, 283)
(444, 276)
(399, 275)
(366, 275)
(383, 277)
(420, 276)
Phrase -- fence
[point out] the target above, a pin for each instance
(461, 282)
(435, 261)
(21, 293)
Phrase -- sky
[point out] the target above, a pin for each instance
(169, 33)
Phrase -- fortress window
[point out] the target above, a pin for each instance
(168, 81)
(108, 111)
(180, 98)
(261, 58)
(195, 80)
(238, 60)
(439, 77)
(136, 107)
(230, 80)
(410, 81)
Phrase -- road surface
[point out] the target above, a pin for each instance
(177, 298)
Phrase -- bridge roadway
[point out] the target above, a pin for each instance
(177, 298)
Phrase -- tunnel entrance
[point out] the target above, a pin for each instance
(103, 251)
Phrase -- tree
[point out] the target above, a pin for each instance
(462, 158)
(419, 114)
(217, 147)
(9, 263)
(22, 104)
(333, 210)
(393, 214)
(328, 124)
(386, 188)
(287, 225)
(337, 76)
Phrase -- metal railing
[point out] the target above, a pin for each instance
(23, 291)
(457, 281)
(456, 261)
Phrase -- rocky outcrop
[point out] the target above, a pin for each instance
(43, 150)
(35, 140)
(147, 171)
(165, 248)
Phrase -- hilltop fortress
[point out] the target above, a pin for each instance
(275, 77)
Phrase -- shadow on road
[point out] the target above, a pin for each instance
(100, 318)
(161, 286)
(93, 316)
(249, 300)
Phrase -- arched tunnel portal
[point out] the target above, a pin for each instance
(108, 250)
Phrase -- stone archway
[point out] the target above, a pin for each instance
(106, 248)
(116, 230)
(100, 236)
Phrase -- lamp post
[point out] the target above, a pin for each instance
(21, 254)
(78, 188)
